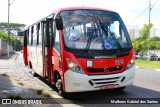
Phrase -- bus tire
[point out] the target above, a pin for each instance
(59, 86)
(61, 92)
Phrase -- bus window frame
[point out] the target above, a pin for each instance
(28, 36)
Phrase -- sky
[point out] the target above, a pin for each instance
(30, 11)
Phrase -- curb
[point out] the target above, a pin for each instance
(16, 56)
(157, 70)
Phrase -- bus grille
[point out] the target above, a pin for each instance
(111, 69)
(103, 81)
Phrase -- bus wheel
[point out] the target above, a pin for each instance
(59, 86)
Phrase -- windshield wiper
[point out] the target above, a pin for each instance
(113, 36)
(88, 42)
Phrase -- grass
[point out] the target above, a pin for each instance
(20, 83)
(39, 91)
(46, 94)
(12, 96)
(148, 64)
(6, 75)
(43, 93)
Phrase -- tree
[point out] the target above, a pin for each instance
(153, 42)
(136, 45)
(144, 32)
(3, 35)
(12, 40)
(158, 45)
(143, 43)
(14, 27)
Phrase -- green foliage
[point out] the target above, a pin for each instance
(3, 35)
(14, 26)
(39, 91)
(6, 75)
(12, 40)
(144, 32)
(20, 83)
(46, 94)
(142, 44)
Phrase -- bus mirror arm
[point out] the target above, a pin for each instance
(59, 22)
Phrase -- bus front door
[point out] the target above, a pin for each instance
(47, 33)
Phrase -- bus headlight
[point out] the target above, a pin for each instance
(131, 63)
(74, 67)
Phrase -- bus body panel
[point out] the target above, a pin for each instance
(75, 82)
(25, 55)
(100, 63)
(39, 61)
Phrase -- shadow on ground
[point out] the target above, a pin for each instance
(11, 56)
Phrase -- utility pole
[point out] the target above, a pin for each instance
(149, 16)
(149, 21)
(8, 26)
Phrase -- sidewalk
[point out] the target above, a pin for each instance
(8, 86)
(11, 56)
(15, 79)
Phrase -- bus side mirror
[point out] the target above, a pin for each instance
(59, 22)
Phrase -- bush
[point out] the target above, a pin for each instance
(3, 35)
(12, 40)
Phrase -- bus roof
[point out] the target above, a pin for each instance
(69, 8)
(77, 8)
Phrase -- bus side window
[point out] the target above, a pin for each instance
(35, 36)
(39, 38)
(30, 36)
(56, 39)
(57, 43)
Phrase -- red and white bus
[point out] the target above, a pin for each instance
(81, 49)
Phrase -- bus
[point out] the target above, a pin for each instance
(80, 49)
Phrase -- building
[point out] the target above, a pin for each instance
(155, 32)
(133, 31)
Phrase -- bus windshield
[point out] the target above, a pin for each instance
(94, 30)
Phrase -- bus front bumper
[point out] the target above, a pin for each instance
(76, 82)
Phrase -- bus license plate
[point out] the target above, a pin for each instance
(110, 86)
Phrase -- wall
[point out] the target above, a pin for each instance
(3, 47)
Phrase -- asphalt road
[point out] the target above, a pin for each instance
(146, 85)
